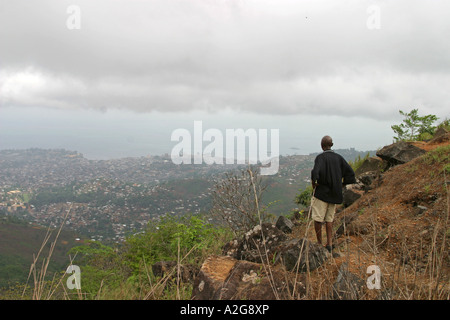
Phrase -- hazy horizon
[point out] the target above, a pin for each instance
(117, 134)
(112, 79)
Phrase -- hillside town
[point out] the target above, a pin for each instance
(107, 198)
(110, 199)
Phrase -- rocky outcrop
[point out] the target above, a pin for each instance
(257, 244)
(301, 255)
(268, 243)
(351, 193)
(226, 278)
(347, 286)
(399, 153)
(371, 164)
(372, 168)
(284, 224)
(368, 178)
(247, 268)
(369, 171)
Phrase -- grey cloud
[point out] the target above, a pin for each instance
(283, 57)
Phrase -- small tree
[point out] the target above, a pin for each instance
(414, 126)
(237, 201)
(304, 197)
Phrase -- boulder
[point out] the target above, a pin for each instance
(284, 224)
(351, 193)
(347, 286)
(230, 248)
(399, 153)
(301, 255)
(225, 278)
(372, 164)
(257, 244)
(367, 179)
(211, 277)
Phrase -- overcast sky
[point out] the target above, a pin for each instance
(136, 70)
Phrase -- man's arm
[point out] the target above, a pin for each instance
(348, 174)
(315, 172)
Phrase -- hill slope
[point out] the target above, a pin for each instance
(19, 242)
(402, 226)
(399, 227)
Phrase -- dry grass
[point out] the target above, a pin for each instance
(42, 288)
(410, 247)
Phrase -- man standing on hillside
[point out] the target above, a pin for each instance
(329, 174)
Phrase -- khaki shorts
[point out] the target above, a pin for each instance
(322, 211)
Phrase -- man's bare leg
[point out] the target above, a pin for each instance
(329, 229)
(318, 229)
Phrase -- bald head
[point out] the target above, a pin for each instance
(326, 143)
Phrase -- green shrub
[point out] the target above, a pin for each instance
(170, 238)
(304, 197)
(413, 126)
(126, 270)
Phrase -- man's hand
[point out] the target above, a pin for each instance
(314, 184)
